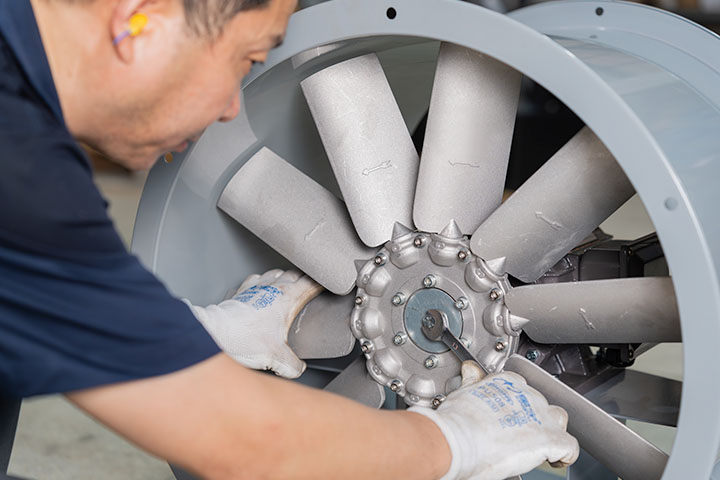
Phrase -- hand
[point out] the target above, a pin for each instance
(498, 427)
(253, 326)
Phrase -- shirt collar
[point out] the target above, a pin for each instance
(20, 30)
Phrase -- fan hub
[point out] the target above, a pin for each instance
(424, 271)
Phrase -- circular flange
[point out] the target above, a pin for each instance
(416, 309)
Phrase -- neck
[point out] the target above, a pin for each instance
(70, 33)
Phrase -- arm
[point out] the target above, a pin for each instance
(220, 420)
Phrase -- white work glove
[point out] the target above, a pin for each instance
(253, 326)
(498, 427)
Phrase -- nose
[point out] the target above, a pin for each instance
(233, 109)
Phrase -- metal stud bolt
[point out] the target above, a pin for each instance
(532, 355)
(431, 362)
(380, 259)
(400, 338)
(461, 303)
(359, 300)
(495, 294)
(398, 299)
(466, 341)
(395, 385)
(419, 241)
(500, 346)
(463, 255)
(366, 347)
(429, 281)
(428, 321)
(438, 400)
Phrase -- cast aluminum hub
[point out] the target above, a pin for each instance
(416, 272)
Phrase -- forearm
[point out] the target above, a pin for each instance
(235, 423)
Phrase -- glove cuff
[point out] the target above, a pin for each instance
(454, 443)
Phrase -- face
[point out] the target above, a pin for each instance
(181, 86)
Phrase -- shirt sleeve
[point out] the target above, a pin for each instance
(77, 310)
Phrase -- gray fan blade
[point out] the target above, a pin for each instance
(621, 450)
(562, 203)
(624, 310)
(367, 142)
(322, 328)
(297, 217)
(355, 383)
(467, 140)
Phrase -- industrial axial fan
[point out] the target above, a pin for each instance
(320, 172)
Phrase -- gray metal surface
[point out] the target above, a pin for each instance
(621, 450)
(322, 328)
(626, 310)
(643, 80)
(355, 383)
(367, 143)
(551, 213)
(633, 395)
(297, 217)
(467, 140)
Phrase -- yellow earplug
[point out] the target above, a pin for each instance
(136, 25)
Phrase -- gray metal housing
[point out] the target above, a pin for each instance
(644, 80)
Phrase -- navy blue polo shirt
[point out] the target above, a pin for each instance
(76, 309)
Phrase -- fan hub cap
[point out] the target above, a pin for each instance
(439, 273)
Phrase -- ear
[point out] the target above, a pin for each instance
(120, 24)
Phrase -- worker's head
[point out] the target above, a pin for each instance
(135, 97)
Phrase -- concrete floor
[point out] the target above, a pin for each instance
(56, 441)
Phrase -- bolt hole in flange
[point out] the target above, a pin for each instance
(599, 11)
(391, 13)
(416, 272)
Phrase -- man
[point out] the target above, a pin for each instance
(79, 315)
